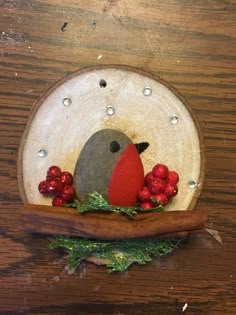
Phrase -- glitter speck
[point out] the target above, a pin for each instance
(184, 307)
(93, 24)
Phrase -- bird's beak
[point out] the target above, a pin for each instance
(142, 146)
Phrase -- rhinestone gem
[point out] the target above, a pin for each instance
(192, 183)
(110, 110)
(42, 153)
(174, 120)
(147, 91)
(67, 101)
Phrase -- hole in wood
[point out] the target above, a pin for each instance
(102, 83)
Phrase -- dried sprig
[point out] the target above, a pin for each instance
(215, 234)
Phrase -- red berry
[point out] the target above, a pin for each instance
(68, 192)
(172, 177)
(43, 187)
(144, 194)
(49, 177)
(66, 178)
(171, 190)
(157, 186)
(160, 171)
(58, 201)
(149, 177)
(54, 171)
(146, 205)
(54, 186)
(161, 198)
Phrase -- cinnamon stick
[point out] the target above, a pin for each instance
(109, 226)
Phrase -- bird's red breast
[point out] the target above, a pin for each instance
(126, 179)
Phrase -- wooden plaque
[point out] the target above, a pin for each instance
(140, 105)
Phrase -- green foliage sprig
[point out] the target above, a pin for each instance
(119, 255)
(97, 202)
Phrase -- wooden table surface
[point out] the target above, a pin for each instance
(192, 45)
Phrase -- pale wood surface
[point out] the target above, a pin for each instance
(190, 44)
(63, 130)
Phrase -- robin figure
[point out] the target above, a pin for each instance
(109, 163)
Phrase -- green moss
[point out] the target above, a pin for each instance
(97, 202)
(121, 254)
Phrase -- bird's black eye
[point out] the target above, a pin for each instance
(114, 146)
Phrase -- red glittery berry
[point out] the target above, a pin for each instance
(68, 192)
(66, 178)
(160, 171)
(54, 186)
(144, 194)
(58, 201)
(172, 177)
(49, 177)
(149, 177)
(157, 186)
(53, 171)
(43, 187)
(171, 190)
(146, 205)
(161, 198)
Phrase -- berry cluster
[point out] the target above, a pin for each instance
(58, 185)
(160, 187)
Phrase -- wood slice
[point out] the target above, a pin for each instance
(142, 106)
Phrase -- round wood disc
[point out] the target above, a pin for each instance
(142, 106)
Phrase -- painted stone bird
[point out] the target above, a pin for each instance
(109, 163)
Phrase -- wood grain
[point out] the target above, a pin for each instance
(190, 44)
(108, 226)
